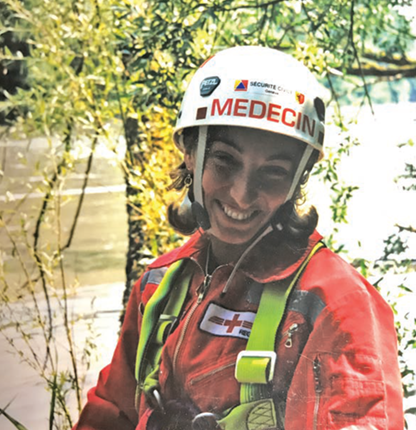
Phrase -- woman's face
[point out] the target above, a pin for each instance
(246, 178)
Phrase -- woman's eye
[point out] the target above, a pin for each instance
(223, 159)
(275, 172)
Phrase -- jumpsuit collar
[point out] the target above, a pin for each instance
(267, 262)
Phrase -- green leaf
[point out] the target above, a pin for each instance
(403, 287)
(52, 402)
(12, 420)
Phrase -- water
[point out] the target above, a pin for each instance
(95, 263)
(97, 252)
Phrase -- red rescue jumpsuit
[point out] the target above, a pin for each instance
(336, 364)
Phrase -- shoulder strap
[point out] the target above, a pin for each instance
(159, 315)
(255, 366)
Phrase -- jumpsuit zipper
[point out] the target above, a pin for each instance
(201, 292)
(318, 390)
(289, 333)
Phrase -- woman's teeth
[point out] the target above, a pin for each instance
(239, 216)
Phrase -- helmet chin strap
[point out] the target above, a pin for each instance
(198, 209)
(299, 171)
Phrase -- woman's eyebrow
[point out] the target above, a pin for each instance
(227, 142)
(281, 157)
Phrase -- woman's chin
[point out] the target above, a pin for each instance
(233, 237)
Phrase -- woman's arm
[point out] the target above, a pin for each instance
(110, 404)
(348, 375)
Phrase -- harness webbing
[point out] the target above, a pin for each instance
(160, 313)
(255, 365)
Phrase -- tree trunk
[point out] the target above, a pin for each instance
(135, 233)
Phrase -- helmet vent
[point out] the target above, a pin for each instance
(320, 108)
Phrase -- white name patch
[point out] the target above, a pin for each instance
(223, 322)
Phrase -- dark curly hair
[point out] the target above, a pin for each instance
(297, 225)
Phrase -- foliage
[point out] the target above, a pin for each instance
(71, 42)
(113, 72)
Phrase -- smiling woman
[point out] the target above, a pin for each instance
(259, 167)
(247, 177)
(253, 324)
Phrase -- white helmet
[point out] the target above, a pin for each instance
(256, 87)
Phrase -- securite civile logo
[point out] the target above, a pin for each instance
(240, 85)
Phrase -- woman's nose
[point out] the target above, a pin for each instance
(243, 191)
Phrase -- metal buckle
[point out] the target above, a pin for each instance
(259, 354)
(205, 421)
(165, 326)
(158, 400)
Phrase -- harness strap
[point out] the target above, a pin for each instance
(159, 316)
(257, 415)
(255, 366)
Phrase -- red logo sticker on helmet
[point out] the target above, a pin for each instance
(241, 85)
(300, 98)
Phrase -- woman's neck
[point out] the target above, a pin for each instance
(225, 253)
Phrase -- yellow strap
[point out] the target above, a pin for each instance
(255, 366)
(258, 415)
(160, 312)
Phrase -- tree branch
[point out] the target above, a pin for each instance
(410, 229)
(82, 195)
(382, 72)
(402, 61)
(36, 234)
(357, 57)
(252, 6)
(67, 327)
(334, 97)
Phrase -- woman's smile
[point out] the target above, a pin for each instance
(242, 216)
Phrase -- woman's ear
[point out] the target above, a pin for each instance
(189, 161)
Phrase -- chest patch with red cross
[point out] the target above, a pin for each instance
(220, 321)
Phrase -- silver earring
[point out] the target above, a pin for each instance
(188, 180)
